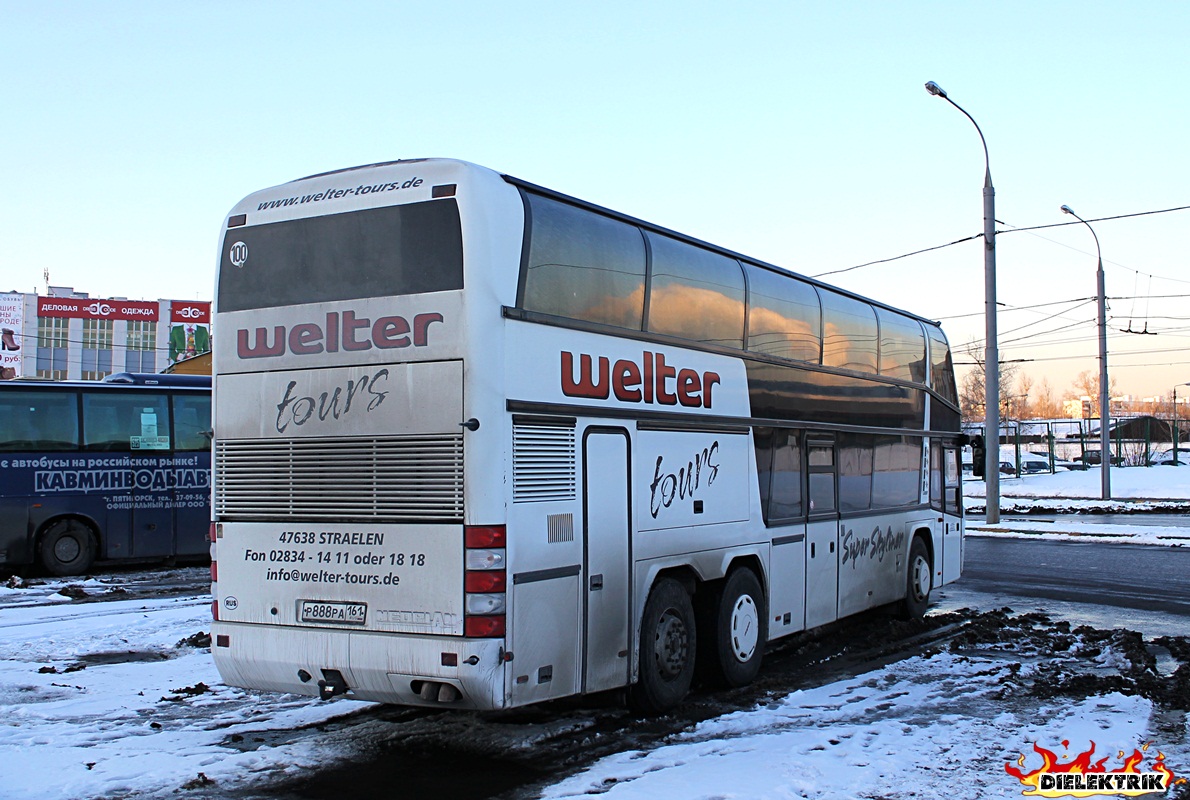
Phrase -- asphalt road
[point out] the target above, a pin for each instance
(1146, 578)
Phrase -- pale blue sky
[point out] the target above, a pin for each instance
(795, 132)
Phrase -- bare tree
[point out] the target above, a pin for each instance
(1087, 385)
(1047, 406)
(1023, 407)
(972, 391)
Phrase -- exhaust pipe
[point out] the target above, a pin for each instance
(333, 683)
(432, 691)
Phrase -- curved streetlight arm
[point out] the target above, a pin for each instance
(937, 91)
(1070, 211)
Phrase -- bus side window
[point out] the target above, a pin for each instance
(763, 439)
(582, 265)
(936, 475)
(132, 422)
(953, 501)
(855, 472)
(695, 294)
(31, 421)
(785, 505)
(192, 422)
(849, 333)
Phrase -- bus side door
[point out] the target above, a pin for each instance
(606, 557)
(822, 534)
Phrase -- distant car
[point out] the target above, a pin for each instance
(1061, 463)
(1031, 463)
(1166, 458)
(1094, 458)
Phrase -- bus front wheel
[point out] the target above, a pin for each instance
(67, 548)
(667, 649)
(919, 579)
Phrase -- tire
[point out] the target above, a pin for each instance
(67, 548)
(734, 635)
(668, 646)
(919, 580)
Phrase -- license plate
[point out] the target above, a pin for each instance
(343, 613)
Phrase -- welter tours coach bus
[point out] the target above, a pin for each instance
(479, 444)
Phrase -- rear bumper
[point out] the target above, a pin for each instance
(384, 667)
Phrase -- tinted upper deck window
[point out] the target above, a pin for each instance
(394, 250)
(784, 318)
(695, 294)
(902, 347)
(583, 265)
(941, 366)
(848, 333)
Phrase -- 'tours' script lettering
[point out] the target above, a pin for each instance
(650, 381)
(297, 409)
(688, 479)
(347, 332)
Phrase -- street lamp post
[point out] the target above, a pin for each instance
(1104, 395)
(991, 359)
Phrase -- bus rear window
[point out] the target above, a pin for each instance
(394, 250)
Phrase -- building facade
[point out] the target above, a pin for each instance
(68, 335)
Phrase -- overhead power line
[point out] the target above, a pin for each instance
(1012, 229)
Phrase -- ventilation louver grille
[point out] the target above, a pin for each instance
(389, 479)
(542, 463)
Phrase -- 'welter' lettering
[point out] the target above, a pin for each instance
(652, 381)
(307, 338)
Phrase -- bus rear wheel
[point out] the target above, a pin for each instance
(67, 548)
(667, 649)
(739, 627)
(919, 579)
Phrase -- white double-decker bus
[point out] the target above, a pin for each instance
(479, 444)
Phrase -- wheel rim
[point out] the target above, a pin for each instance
(672, 644)
(921, 577)
(745, 627)
(67, 549)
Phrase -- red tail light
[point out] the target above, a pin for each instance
(485, 536)
(484, 627)
(214, 572)
(485, 580)
(215, 610)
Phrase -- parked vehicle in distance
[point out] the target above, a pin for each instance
(1061, 463)
(1029, 463)
(1092, 457)
(1167, 458)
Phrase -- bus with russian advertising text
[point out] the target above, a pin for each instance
(479, 444)
(117, 470)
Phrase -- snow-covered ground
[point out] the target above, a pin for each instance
(936, 727)
(1127, 483)
(106, 700)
